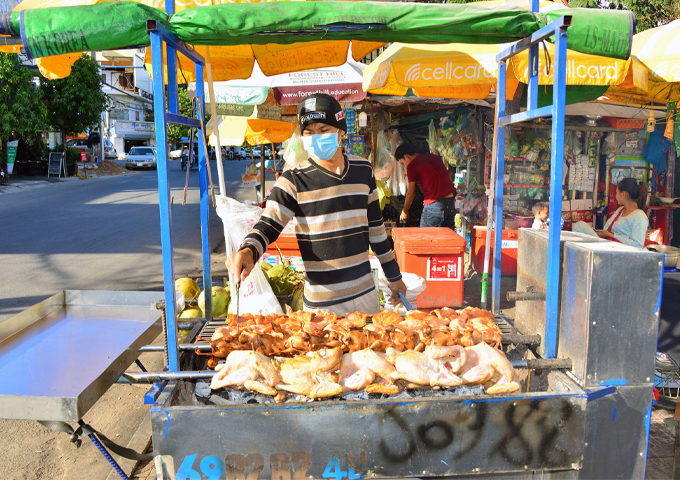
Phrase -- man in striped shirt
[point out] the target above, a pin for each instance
(335, 201)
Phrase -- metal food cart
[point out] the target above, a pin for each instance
(554, 429)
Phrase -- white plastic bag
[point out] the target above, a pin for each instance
(415, 285)
(255, 294)
(295, 153)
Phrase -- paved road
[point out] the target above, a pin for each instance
(94, 234)
(100, 234)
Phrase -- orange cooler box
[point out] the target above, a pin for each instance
(436, 254)
(508, 251)
(287, 243)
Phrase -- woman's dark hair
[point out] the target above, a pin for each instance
(405, 149)
(636, 190)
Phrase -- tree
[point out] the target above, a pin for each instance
(22, 114)
(75, 103)
(649, 13)
(176, 132)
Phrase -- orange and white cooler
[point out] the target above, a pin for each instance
(436, 254)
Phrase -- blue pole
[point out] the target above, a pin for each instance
(164, 199)
(556, 179)
(204, 196)
(498, 195)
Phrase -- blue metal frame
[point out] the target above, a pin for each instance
(160, 36)
(558, 29)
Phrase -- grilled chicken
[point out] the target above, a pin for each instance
(490, 367)
(359, 370)
(312, 374)
(428, 368)
(249, 369)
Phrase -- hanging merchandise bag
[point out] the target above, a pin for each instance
(384, 162)
(255, 294)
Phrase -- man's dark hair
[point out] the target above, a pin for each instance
(538, 206)
(405, 149)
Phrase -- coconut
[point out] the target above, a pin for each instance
(191, 312)
(188, 287)
(265, 266)
(295, 301)
(220, 301)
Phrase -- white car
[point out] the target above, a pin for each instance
(109, 149)
(141, 157)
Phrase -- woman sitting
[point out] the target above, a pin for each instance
(629, 222)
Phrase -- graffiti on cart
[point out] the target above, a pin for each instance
(250, 467)
(529, 430)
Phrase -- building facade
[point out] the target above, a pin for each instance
(128, 121)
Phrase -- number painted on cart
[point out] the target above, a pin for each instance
(334, 470)
(235, 467)
(211, 466)
(186, 470)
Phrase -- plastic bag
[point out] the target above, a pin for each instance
(383, 194)
(255, 294)
(511, 143)
(384, 162)
(397, 182)
(432, 137)
(294, 153)
(415, 285)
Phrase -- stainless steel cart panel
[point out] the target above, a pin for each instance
(532, 267)
(609, 312)
(382, 438)
(58, 357)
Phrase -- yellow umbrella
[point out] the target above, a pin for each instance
(582, 69)
(659, 49)
(255, 131)
(228, 63)
(453, 70)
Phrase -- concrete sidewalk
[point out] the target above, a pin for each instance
(22, 184)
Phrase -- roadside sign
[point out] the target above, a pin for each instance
(83, 157)
(11, 155)
(54, 165)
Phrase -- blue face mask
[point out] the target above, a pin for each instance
(322, 146)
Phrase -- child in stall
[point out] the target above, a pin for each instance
(541, 212)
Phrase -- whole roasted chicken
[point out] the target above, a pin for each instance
(436, 366)
(369, 370)
(249, 369)
(312, 374)
(490, 367)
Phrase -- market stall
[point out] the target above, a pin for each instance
(549, 427)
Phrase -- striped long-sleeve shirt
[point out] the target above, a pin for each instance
(338, 217)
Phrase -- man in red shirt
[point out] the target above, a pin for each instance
(429, 172)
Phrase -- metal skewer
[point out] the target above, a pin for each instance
(238, 286)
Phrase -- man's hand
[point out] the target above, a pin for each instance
(395, 288)
(404, 216)
(241, 264)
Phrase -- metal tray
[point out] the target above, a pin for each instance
(58, 357)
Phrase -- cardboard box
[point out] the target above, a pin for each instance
(566, 214)
(582, 211)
